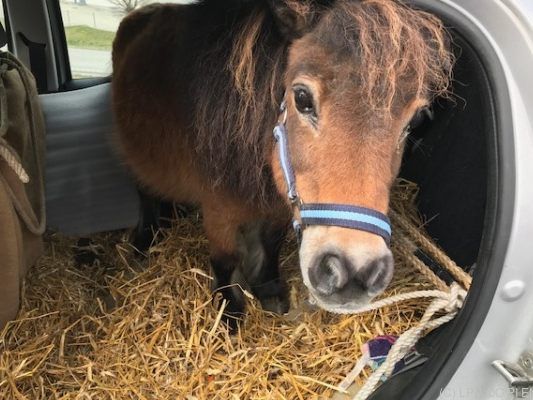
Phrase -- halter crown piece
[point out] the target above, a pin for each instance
(329, 214)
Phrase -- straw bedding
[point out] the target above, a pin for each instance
(124, 328)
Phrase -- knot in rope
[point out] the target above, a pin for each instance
(456, 298)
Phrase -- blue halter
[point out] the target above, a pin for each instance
(346, 216)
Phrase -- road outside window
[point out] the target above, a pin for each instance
(90, 27)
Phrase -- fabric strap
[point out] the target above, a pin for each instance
(346, 216)
(280, 134)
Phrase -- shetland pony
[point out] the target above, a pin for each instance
(196, 93)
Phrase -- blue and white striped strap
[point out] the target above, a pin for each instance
(346, 216)
(280, 134)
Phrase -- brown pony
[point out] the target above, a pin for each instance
(196, 93)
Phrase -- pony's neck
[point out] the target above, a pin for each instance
(237, 90)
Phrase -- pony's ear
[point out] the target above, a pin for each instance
(294, 17)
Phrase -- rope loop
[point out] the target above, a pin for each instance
(446, 303)
(449, 302)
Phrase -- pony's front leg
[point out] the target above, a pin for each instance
(244, 253)
(222, 223)
(262, 243)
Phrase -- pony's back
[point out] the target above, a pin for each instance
(210, 72)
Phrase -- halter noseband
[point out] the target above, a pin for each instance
(330, 214)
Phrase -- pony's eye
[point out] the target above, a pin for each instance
(304, 101)
(419, 117)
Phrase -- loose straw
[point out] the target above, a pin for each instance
(125, 327)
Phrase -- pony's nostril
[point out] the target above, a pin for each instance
(335, 277)
(377, 275)
(329, 275)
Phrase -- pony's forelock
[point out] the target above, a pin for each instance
(398, 47)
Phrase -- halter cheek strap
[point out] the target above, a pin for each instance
(280, 134)
(346, 216)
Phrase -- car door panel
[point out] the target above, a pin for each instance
(88, 190)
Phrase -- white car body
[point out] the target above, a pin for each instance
(508, 327)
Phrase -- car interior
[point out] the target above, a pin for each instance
(454, 156)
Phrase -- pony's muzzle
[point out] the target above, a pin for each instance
(334, 275)
(344, 268)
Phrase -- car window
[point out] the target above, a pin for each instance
(90, 27)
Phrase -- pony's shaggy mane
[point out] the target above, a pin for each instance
(237, 92)
(240, 76)
(402, 51)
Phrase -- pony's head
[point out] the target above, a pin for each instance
(357, 74)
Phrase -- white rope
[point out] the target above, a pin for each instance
(14, 164)
(449, 302)
(388, 301)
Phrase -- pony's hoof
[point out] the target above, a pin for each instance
(235, 309)
(87, 253)
(233, 319)
(275, 304)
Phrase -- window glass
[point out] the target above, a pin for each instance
(90, 27)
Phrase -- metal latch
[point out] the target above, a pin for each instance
(519, 375)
